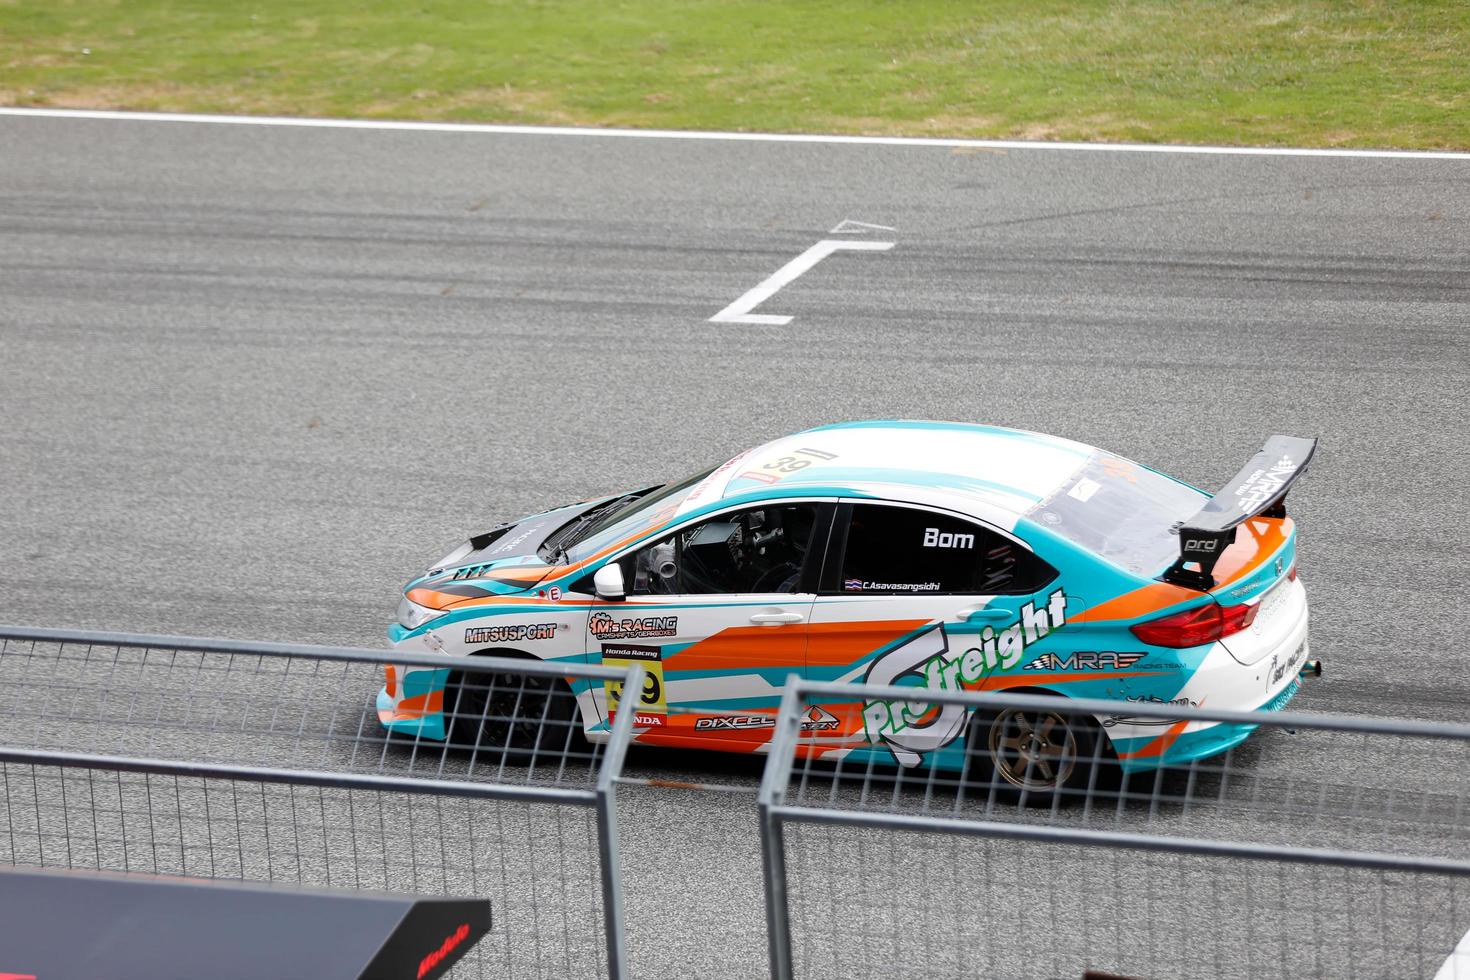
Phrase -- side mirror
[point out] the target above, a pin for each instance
(607, 581)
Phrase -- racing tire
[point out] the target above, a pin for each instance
(1037, 758)
(511, 714)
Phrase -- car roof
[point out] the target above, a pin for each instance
(995, 472)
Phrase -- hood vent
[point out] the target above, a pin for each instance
(482, 541)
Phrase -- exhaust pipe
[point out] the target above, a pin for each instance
(1311, 669)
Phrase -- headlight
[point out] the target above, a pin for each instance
(411, 615)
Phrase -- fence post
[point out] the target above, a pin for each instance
(773, 839)
(607, 833)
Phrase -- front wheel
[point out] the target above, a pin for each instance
(495, 711)
(1039, 757)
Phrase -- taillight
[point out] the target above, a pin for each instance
(1197, 626)
(1291, 572)
(1236, 618)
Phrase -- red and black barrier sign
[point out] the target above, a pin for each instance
(58, 924)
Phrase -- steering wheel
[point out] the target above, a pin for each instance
(778, 578)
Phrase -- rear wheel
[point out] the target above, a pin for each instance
(498, 711)
(1039, 757)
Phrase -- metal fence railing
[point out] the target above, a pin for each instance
(1319, 846)
(268, 762)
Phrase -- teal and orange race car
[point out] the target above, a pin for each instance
(939, 555)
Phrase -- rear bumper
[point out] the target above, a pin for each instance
(1201, 740)
(1275, 674)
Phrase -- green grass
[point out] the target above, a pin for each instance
(1326, 73)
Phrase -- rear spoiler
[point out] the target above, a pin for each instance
(1258, 490)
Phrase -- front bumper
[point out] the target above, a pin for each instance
(412, 702)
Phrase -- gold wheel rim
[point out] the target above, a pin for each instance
(1033, 750)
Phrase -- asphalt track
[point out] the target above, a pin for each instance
(252, 378)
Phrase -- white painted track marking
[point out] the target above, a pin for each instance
(739, 311)
(1457, 964)
(681, 134)
(849, 227)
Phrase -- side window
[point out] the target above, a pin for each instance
(764, 549)
(900, 550)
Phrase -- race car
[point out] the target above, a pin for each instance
(936, 555)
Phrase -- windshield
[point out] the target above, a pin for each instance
(643, 514)
(1121, 511)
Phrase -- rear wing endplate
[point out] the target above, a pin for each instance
(1258, 490)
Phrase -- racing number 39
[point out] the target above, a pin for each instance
(651, 696)
(652, 706)
(653, 691)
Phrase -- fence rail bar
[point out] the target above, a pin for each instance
(1109, 838)
(301, 777)
(1099, 706)
(198, 644)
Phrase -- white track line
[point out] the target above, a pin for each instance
(740, 310)
(679, 134)
(1457, 964)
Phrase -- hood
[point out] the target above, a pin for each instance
(501, 561)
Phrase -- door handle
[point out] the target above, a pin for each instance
(983, 613)
(776, 618)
